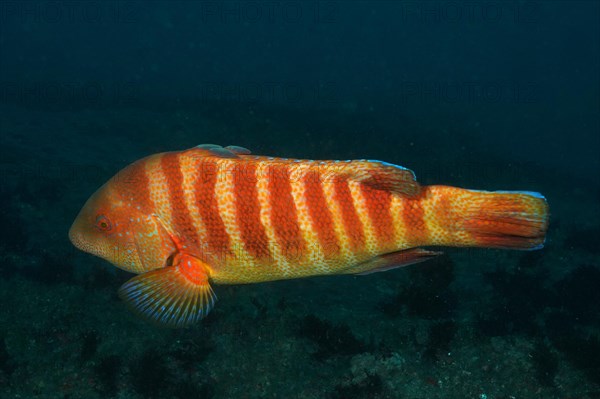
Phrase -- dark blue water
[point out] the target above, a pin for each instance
(488, 95)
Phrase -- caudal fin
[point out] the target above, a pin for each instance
(505, 219)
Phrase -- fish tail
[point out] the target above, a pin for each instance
(491, 219)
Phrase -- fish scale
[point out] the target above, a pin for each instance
(212, 215)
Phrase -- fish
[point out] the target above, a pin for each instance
(183, 221)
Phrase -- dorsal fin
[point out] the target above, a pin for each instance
(217, 150)
(378, 175)
(238, 150)
(383, 176)
(231, 151)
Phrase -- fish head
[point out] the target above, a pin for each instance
(114, 226)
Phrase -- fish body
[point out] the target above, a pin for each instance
(183, 220)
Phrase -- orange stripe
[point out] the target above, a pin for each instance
(413, 215)
(320, 214)
(180, 216)
(284, 215)
(440, 229)
(378, 206)
(217, 237)
(247, 207)
(136, 182)
(352, 224)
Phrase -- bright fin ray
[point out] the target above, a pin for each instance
(169, 296)
(507, 219)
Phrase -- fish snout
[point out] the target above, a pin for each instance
(75, 235)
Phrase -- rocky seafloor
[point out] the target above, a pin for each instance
(475, 323)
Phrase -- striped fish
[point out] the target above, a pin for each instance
(183, 220)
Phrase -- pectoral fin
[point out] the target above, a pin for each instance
(175, 296)
(394, 260)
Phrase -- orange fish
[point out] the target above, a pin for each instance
(183, 220)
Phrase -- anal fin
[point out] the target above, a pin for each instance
(394, 260)
(174, 296)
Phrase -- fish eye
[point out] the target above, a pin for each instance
(102, 223)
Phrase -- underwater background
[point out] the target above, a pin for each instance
(496, 95)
